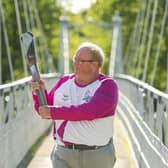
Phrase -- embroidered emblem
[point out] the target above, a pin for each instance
(65, 97)
(87, 96)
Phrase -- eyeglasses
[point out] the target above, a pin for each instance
(82, 61)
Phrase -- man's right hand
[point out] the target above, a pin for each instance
(37, 85)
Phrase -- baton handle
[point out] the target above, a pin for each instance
(41, 98)
(36, 78)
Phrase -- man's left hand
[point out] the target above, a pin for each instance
(44, 112)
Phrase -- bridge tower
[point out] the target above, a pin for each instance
(115, 65)
(63, 62)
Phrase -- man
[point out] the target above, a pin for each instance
(82, 106)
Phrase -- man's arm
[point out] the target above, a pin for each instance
(102, 104)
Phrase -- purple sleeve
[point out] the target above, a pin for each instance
(50, 95)
(102, 104)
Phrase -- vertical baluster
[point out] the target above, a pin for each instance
(25, 102)
(0, 48)
(160, 117)
(151, 112)
(5, 116)
(11, 102)
(19, 99)
(147, 107)
(1, 106)
(165, 121)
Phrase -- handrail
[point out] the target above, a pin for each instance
(19, 120)
(143, 110)
(143, 85)
(25, 80)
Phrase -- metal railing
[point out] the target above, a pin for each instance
(143, 110)
(20, 126)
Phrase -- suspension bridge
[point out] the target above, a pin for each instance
(141, 132)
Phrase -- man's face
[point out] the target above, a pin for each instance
(84, 64)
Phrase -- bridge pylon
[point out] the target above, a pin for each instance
(63, 62)
(115, 65)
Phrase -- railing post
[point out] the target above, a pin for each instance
(115, 65)
(63, 66)
(165, 121)
(2, 106)
(0, 52)
(160, 118)
(151, 111)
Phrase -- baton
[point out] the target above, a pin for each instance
(28, 44)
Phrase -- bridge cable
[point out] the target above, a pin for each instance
(139, 34)
(159, 43)
(25, 9)
(131, 45)
(144, 36)
(31, 7)
(0, 50)
(43, 49)
(20, 32)
(49, 64)
(30, 11)
(126, 57)
(7, 42)
(167, 72)
(150, 40)
(135, 39)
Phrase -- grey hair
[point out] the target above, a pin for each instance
(94, 50)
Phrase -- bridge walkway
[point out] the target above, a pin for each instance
(125, 156)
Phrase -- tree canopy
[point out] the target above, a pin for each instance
(94, 24)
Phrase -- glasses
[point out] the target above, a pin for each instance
(80, 61)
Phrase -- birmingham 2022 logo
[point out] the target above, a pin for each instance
(87, 96)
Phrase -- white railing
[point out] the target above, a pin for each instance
(20, 126)
(143, 110)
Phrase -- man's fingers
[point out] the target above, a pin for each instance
(35, 86)
(44, 112)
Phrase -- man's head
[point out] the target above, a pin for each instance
(88, 60)
(93, 50)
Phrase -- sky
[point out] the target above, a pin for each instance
(75, 5)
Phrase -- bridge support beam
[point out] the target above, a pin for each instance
(63, 63)
(115, 65)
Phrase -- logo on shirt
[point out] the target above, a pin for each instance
(65, 97)
(87, 96)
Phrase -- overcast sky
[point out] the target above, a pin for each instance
(75, 5)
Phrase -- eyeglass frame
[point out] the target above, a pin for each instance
(81, 61)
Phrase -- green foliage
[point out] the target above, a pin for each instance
(94, 25)
(48, 27)
(91, 33)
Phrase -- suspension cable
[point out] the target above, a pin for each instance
(150, 40)
(39, 40)
(20, 32)
(131, 44)
(167, 72)
(139, 33)
(126, 57)
(159, 43)
(144, 35)
(26, 14)
(0, 50)
(45, 49)
(7, 42)
(29, 3)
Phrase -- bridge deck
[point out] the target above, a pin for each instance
(125, 157)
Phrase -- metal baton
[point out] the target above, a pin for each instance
(28, 43)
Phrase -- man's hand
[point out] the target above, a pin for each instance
(44, 112)
(37, 85)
